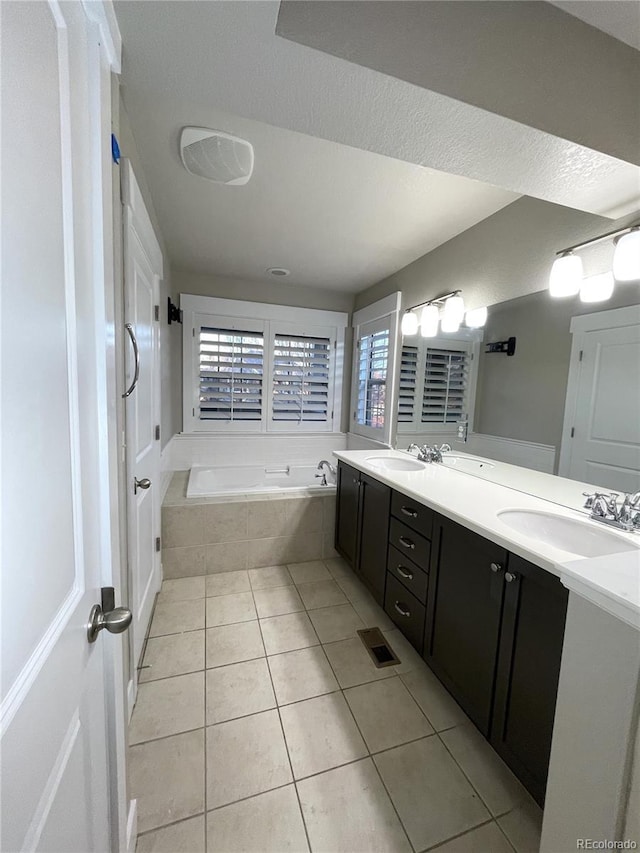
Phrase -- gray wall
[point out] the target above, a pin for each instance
(273, 292)
(522, 396)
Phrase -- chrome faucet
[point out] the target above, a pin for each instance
(427, 453)
(323, 473)
(605, 509)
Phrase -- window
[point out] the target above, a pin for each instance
(301, 379)
(231, 374)
(276, 369)
(374, 368)
(373, 361)
(437, 385)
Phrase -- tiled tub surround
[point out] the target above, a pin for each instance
(202, 536)
(262, 725)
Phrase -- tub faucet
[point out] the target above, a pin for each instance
(323, 473)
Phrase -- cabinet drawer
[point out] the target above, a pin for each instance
(408, 573)
(409, 543)
(406, 611)
(414, 514)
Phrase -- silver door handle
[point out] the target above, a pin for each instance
(145, 483)
(406, 543)
(404, 573)
(403, 611)
(510, 577)
(410, 512)
(495, 568)
(115, 621)
(136, 356)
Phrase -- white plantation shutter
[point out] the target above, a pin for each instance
(407, 384)
(301, 379)
(446, 381)
(372, 365)
(231, 370)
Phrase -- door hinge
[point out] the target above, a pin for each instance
(573, 431)
(156, 312)
(580, 356)
(157, 543)
(157, 432)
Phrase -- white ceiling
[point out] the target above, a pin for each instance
(336, 216)
(323, 201)
(618, 18)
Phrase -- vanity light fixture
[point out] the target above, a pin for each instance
(596, 288)
(566, 277)
(449, 320)
(476, 318)
(626, 257)
(429, 321)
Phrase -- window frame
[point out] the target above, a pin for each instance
(472, 340)
(271, 320)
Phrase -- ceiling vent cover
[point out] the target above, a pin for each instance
(216, 156)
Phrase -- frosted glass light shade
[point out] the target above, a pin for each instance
(409, 323)
(566, 276)
(597, 288)
(626, 257)
(429, 321)
(476, 318)
(449, 324)
(453, 310)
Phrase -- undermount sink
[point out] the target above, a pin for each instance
(584, 538)
(394, 463)
(466, 463)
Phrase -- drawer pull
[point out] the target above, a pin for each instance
(406, 543)
(402, 610)
(405, 573)
(408, 511)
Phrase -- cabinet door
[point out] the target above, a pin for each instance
(347, 508)
(374, 534)
(464, 608)
(535, 609)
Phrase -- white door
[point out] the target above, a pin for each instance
(601, 443)
(142, 274)
(56, 540)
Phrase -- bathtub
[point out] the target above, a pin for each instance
(226, 480)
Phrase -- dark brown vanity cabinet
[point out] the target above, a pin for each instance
(533, 621)
(464, 611)
(362, 526)
(495, 626)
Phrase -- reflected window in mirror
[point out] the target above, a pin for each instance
(437, 384)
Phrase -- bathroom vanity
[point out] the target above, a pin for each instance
(459, 565)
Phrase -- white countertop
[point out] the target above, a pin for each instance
(611, 582)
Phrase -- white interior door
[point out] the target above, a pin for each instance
(56, 771)
(601, 443)
(143, 271)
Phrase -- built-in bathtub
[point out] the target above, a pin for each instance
(228, 518)
(227, 480)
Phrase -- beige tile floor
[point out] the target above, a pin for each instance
(262, 725)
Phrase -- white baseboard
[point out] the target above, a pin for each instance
(528, 454)
(132, 826)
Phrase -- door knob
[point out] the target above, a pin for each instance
(145, 483)
(115, 621)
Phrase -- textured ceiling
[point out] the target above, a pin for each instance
(335, 216)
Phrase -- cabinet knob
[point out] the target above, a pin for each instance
(509, 577)
(403, 611)
(356, 482)
(406, 543)
(408, 511)
(405, 573)
(496, 567)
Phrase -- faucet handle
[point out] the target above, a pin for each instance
(445, 448)
(590, 498)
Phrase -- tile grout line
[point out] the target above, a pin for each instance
(369, 754)
(284, 739)
(456, 837)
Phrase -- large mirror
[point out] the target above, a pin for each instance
(573, 357)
